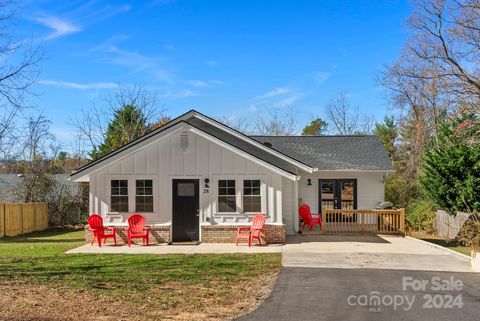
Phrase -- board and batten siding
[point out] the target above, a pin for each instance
(370, 191)
(288, 203)
(164, 160)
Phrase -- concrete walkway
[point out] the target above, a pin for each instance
(373, 252)
(203, 248)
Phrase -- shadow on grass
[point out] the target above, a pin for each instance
(54, 236)
(451, 244)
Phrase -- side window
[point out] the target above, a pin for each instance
(144, 195)
(119, 195)
(252, 200)
(227, 201)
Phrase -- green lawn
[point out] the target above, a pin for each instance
(451, 245)
(39, 259)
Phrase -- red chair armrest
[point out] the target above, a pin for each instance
(147, 228)
(243, 228)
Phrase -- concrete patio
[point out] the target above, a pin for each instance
(203, 248)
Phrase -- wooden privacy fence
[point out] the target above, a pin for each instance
(448, 225)
(21, 218)
(364, 221)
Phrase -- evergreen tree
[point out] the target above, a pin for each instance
(451, 170)
(128, 123)
(316, 127)
(387, 132)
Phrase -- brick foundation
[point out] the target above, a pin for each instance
(210, 234)
(228, 233)
(158, 234)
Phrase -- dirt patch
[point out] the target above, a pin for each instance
(24, 302)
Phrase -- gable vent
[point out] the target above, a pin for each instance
(183, 142)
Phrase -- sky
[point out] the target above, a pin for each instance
(234, 59)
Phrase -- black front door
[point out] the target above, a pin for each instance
(337, 194)
(185, 219)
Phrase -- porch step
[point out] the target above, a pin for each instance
(185, 243)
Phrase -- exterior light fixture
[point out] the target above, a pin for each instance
(309, 182)
(206, 183)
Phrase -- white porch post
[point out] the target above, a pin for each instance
(295, 204)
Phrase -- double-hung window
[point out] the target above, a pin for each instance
(119, 195)
(144, 195)
(252, 199)
(227, 199)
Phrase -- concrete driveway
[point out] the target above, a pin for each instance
(370, 278)
(373, 252)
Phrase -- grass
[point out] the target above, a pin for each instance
(39, 259)
(449, 244)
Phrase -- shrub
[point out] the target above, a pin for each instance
(421, 214)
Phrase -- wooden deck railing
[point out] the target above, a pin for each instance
(364, 221)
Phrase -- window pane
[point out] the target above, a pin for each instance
(227, 201)
(227, 204)
(119, 187)
(327, 190)
(148, 191)
(186, 189)
(119, 203)
(144, 203)
(252, 204)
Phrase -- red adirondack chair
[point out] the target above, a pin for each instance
(308, 218)
(95, 223)
(253, 231)
(137, 229)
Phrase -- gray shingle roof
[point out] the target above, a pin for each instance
(241, 144)
(361, 152)
(10, 182)
(322, 152)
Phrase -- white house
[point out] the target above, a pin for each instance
(195, 179)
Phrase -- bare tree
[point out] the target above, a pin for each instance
(342, 115)
(446, 42)
(94, 121)
(277, 123)
(38, 145)
(18, 72)
(239, 124)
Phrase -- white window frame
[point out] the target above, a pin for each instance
(153, 194)
(239, 193)
(131, 193)
(110, 193)
(217, 195)
(261, 196)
